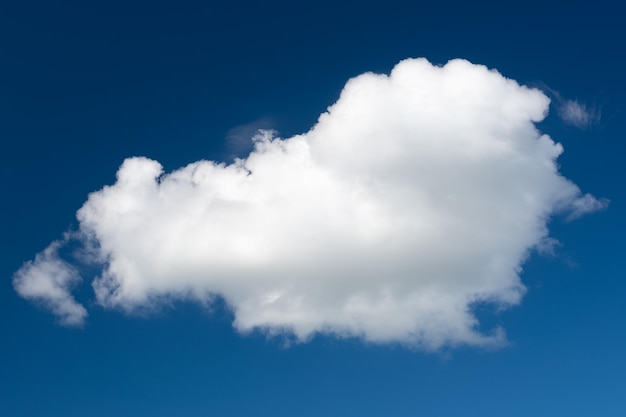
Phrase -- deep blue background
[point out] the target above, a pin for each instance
(85, 84)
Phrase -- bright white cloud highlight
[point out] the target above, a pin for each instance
(416, 195)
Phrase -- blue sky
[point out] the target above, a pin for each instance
(85, 86)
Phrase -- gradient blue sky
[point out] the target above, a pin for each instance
(85, 85)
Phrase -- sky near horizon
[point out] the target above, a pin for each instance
(320, 209)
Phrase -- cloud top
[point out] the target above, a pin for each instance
(416, 195)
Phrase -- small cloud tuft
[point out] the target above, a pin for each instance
(587, 204)
(578, 114)
(48, 280)
(415, 197)
(239, 139)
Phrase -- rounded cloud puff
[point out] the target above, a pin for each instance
(415, 196)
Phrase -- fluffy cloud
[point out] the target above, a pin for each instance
(416, 195)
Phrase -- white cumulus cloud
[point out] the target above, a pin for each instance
(416, 195)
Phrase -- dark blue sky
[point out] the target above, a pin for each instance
(84, 85)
